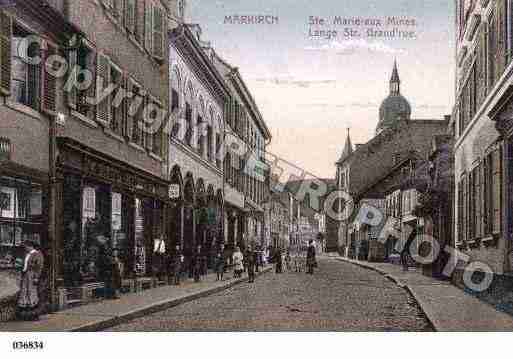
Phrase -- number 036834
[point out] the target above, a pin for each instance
(28, 345)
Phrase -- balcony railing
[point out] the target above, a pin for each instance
(5, 149)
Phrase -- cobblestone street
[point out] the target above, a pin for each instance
(340, 297)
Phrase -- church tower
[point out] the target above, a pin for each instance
(395, 107)
(395, 82)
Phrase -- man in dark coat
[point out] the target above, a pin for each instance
(250, 263)
(220, 262)
(278, 260)
(310, 258)
(197, 263)
(175, 266)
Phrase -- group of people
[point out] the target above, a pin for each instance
(297, 261)
(29, 298)
(248, 261)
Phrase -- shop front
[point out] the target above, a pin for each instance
(106, 207)
(23, 216)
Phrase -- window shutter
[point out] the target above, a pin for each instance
(465, 207)
(158, 33)
(129, 115)
(148, 135)
(148, 26)
(460, 211)
(497, 192)
(72, 94)
(501, 37)
(91, 91)
(103, 113)
(49, 87)
(117, 6)
(140, 7)
(130, 11)
(34, 77)
(5, 53)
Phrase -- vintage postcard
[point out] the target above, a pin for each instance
(265, 166)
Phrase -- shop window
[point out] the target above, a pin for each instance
(140, 251)
(21, 218)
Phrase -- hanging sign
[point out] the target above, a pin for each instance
(174, 191)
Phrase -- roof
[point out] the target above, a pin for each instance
(348, 149)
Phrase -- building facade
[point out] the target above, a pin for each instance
(92, 114)
(246, 172)
(482, 146)
(198, 95)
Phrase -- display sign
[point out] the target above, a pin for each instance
(174, 191)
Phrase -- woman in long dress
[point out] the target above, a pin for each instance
(28, 298)
(238, 262)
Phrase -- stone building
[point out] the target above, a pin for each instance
(362, 170)
(482, 145)
(87, 158)
(246, 172)
(198, 96)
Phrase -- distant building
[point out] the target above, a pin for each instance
(364, 172)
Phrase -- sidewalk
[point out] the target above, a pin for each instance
(447, 307)
(108, 313)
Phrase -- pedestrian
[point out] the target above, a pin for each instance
(28, 297)
(175, 266)
(197, 262)
(220, 263)
(115, 270)
(404, 259)
(238, 266)
(288, 261)
(258, 257)
(310, 258)
(250, 263)
(278, 261)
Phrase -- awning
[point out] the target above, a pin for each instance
(233, 197)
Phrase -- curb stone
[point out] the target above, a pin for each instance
(106, 323)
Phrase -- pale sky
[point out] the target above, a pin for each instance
(310, 90)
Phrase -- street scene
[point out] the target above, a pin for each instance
(355, 299)
(261, 166)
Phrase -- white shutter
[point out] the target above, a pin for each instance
(158, 33)
(130, 15)
(72, 93)
(103, 112)
(5, 53)
(148, 26)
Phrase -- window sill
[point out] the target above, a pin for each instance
(137, 147)
(155, 156)
(86, 120)
(115, 136)
(29, 111)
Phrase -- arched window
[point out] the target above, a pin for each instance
(188, 115)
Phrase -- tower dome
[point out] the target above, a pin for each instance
(395, 107)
